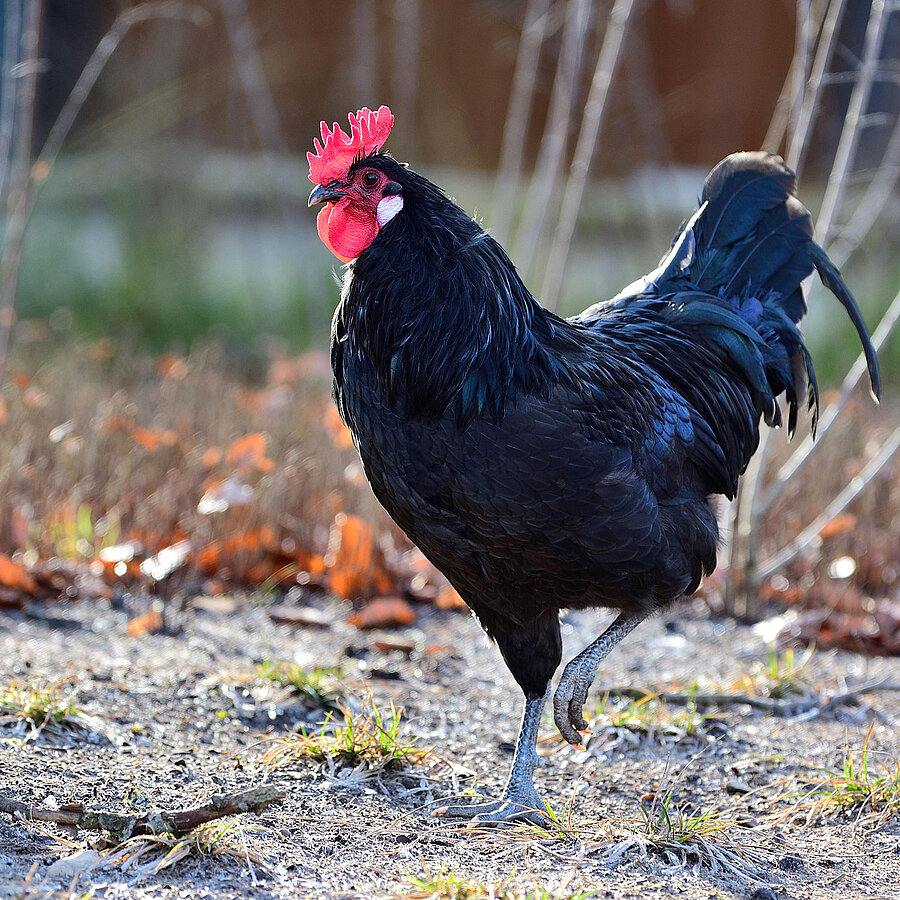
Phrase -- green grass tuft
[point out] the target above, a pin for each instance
(369, 738)
(35, 707)
(319, 685)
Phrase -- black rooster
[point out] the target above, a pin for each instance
(545, 463)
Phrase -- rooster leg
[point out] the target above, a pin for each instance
(520, 800)
(578, 676)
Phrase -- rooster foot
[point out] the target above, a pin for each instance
(578, 676)
(569, 699)
(508, 809)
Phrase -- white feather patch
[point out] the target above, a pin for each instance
(388, 207)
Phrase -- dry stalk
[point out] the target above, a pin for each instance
(829, 416)
(547, 174)
(28, 179)
(521, 98)
(809, 534)
(808, 107)
(11, 27)
(854, 121)
(753, 503)
(591, 123)
(21, 175)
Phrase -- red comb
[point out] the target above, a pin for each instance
(368, 131)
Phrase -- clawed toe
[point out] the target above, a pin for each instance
(568, 705)
(495, 813)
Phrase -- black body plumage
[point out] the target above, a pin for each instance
(544, 463)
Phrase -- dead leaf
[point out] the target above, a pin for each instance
(223, 495)
(221, 604)
(212, 456)
(838, 525)
(354, 564)
(14, 575)
(34, 397)
(391, 644)
(448, 598)
(149, 623)
(249, 452)
(152, 439)
(341, 436)
(167, 561)
(383, 612)
(170, 365)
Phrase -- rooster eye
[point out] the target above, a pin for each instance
(370, 179)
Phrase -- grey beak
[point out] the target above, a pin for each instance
(322, 194)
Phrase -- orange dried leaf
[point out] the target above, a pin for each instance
(212, 456)
(170, 365)
(34, 397)
(209, 559)
(838, 525)
(354, 563)
(249, 452)
(246, 450)
(152, 439)
(14, 575)
(383, 612)
(340, 433)
(4, 413)
(149, 623)
(447, 598)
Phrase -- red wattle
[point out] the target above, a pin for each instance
(346, 229)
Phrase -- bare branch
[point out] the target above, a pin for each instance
(591, 122)
(545, 182)
(123, 826)
(21, 177)
(11, 27)
(407, 47)
(869, 209)
(830, 414)
(789, 707)
(516, 125)
(164, 9)
(859, 100)
(809, 534)
(809, 105)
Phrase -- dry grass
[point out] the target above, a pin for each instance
(866, 787)
(140, 857)
(450, 885)
(36, 707)
(101, 446)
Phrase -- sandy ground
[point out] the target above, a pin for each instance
(188, 718)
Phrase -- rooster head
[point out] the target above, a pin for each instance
(359, 199)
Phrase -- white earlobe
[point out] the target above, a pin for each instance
(388, 207)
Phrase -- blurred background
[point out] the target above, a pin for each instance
(154, 189)
(177, 201)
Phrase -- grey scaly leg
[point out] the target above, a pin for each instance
(520, 800)
(579, 674)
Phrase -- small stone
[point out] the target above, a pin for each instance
(764, 893)
(736, 786)
(791, 862)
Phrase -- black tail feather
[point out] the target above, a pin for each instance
(831, 278)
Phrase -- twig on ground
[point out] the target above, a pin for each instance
(791, 707)
(122, 826)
